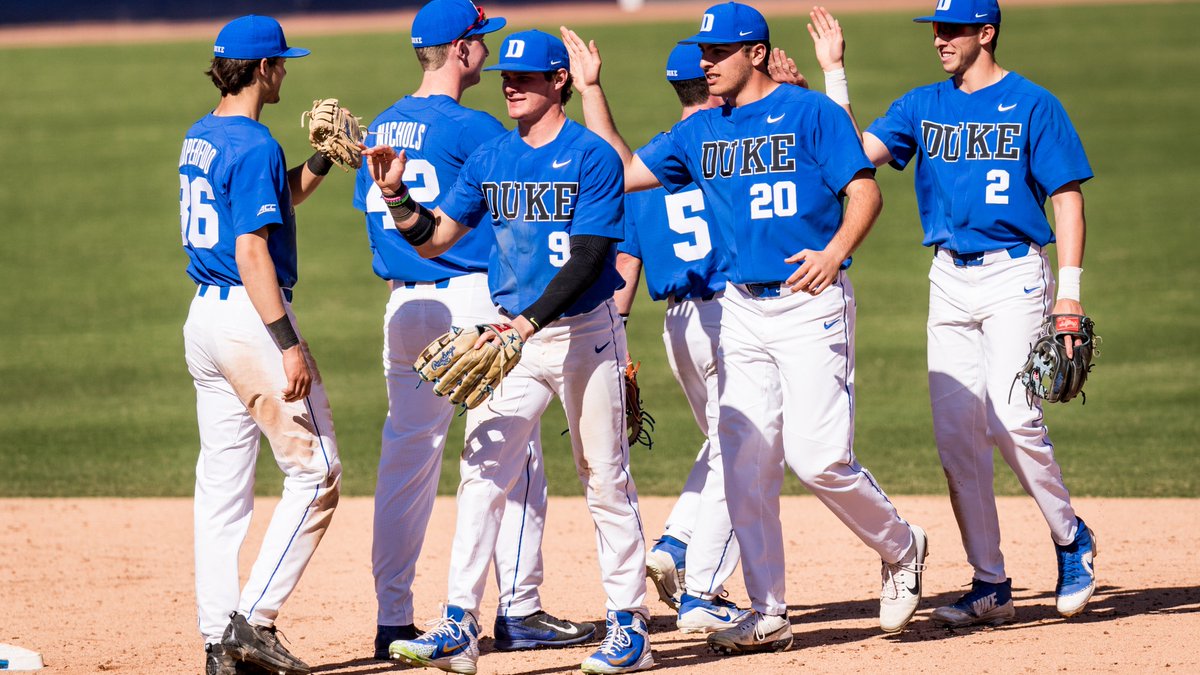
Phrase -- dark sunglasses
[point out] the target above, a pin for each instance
(949, 31)
(480, 21)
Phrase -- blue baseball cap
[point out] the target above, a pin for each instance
(254, 37)
(532, 51)
(443, 21)
(729, 23)
(684, 63)
(964, 11)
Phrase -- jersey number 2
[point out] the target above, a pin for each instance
(997, 184)
(198, 220)
(422, 181)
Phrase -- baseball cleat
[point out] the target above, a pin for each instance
(665, 565)
(985, 604)
(697, 615)
(386, 635)
(754, 632)
(451, 644)
(901, 591)
(539, 630)
(260, 646)
(1076, 574)
(625, 649)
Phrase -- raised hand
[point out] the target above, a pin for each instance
(585, 59)
(828, 43)
(783, 69)
(387, 167)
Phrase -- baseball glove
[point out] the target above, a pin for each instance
(1048, 373)
(465, 374)
(335, 133)
(638, 422)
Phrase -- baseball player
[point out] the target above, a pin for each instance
(989, 147)
(253, 372)
(427, 296)
(773, 165)
(552, 191)
(669, 234)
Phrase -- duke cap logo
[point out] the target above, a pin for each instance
(253, 37)
(684, 63)
(531, 51)
(729, 23)
(964, 11)
(441, 22)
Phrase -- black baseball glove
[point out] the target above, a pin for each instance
(1049, 374)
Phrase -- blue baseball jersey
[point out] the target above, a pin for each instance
(986, 161)
(772, 173)
(535, 199)
(233, 181)
(437, 135)
(670, 234)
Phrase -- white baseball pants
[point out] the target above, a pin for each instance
(579, 359)
(238, 374)
(786, 377)
(700, 518)
(410, 461)
(982, 321)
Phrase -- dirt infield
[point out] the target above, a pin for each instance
(106, 586)
(522, 16)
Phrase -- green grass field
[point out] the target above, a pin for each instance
(96, 399)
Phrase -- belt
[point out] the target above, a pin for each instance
(223, 291)
(772, 289)
(675, 299)
(984, 257)
(440, 283)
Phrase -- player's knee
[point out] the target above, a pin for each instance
(817, 476)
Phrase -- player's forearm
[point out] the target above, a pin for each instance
(864, 203)
(431, 233)
(304, 179)
(1070, 229)
(597, 116)
(257, 270)
(630, 269)
(582, 269)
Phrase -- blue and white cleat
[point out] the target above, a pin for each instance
(625, 649)
(986, 603)
(697, 615)
(451, 644)
(539, 630)
(1076, 575)
(665, 565)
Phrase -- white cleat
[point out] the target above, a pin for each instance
(901, 591)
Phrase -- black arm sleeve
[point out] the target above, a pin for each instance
(588, 253)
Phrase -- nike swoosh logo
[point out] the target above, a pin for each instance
(573, 630)
(915, 589)
(831, 323)
(744, 33)
(773, 120)
(1006, 108)
(559, 165)
(1029, 290)
(555, 63)
(601, 347)
(980, 16)
(724, 614)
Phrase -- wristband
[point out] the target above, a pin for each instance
(1068, 283)
(624, 319)
(283, 333)
(398, 198)
(319, 164)
(836, 86)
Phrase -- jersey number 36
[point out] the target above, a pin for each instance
(198, 220)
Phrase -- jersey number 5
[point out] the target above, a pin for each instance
(198, 220)
(679, 221)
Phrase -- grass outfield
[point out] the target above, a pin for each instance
(96, 399)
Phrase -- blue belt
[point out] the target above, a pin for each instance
(440, 283)
(224, 291)
(975, 259)
(767, 290)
